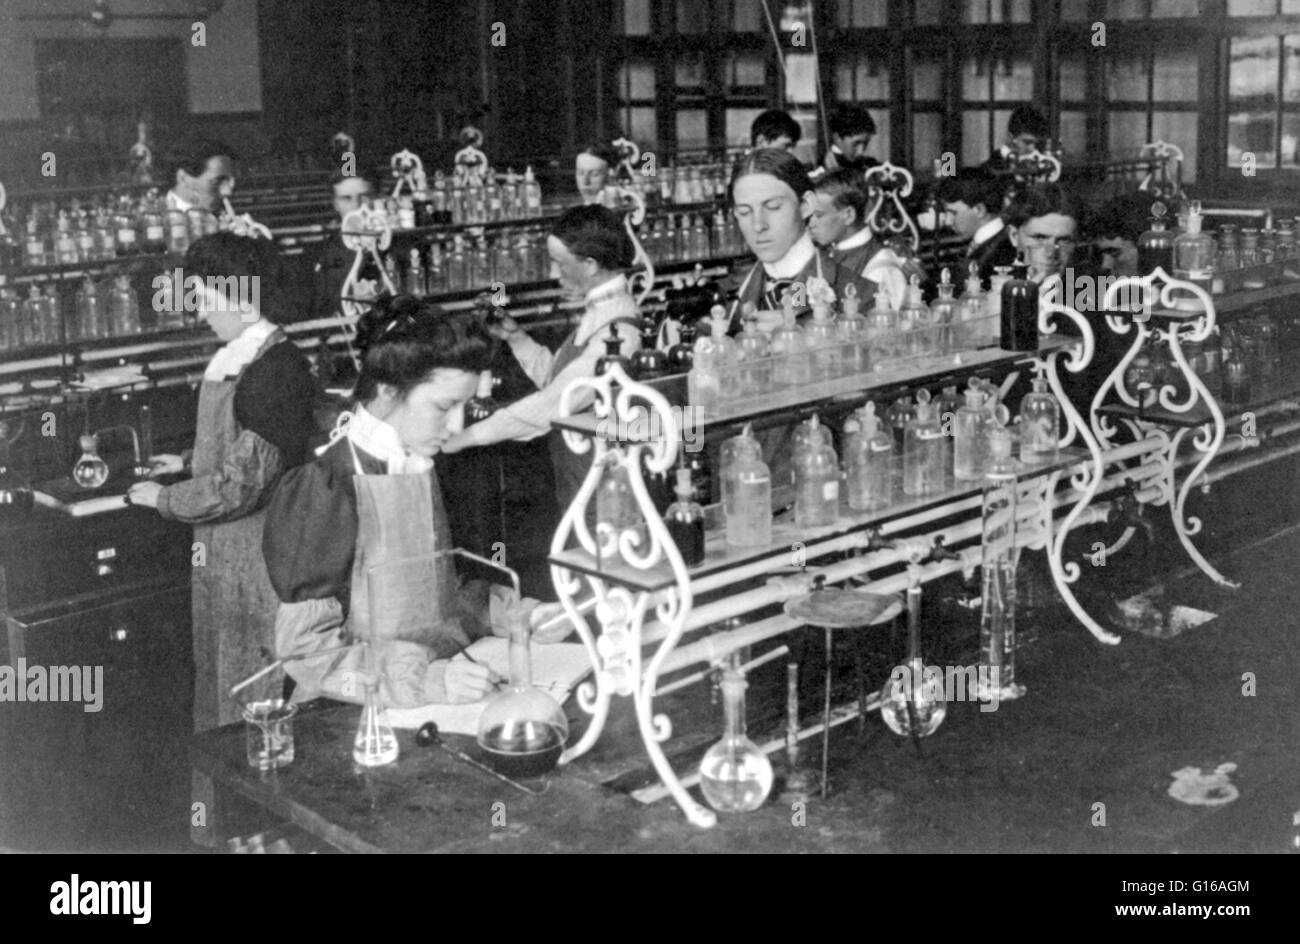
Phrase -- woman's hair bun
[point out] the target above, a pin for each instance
(383, 317)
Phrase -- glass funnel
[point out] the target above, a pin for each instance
(522, 729)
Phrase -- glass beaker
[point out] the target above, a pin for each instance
(522, 730)
(269, 733)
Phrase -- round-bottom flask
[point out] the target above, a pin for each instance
(522, 730)
(735, 776)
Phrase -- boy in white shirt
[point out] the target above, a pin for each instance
(838, 224)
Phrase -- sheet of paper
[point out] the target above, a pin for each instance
(557, 668)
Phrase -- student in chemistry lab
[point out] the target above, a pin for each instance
(839, 225)
(351, 536)
(590, 250)
(593, 172)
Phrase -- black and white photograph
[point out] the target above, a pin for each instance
(652, 427)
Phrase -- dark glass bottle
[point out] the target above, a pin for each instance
(1156, 245)
(682, 354)
(480, 406)
(649, 362)
(685, 521)
(1020, 311)
(612, 355)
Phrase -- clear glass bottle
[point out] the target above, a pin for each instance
(123, 307)
(726, 356)
(746, 494)
(1194, 256)
(124, 228)
(971, 332)
(791, 367)
(65, 241)
(822, 339)
(414, 282)
(923, 450)
(685, 520)
(851, 329)
(13, 327)
(1040, 423)
(458, 266)
(997, 665)
(969, 458)
(1229, 257)
(1019, 318)
(816, 479)
(616, 507)
(153, 225)
(754, 355)
(35, 248)
(41, 327)
(90, 470)
(913, 321)
(1156, 246)
(178, 232)
(735, 776)
(898, 416)
(868, 462)
(532, 193)
(943, 317)
(375, 743)
(92, 316)
(522, 730)
(882, 331)
(704, 383)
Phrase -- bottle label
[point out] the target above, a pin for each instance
(831, 491)
(154, 233)
(35, 248)
(126, 236)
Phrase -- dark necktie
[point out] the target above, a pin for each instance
(773, 289)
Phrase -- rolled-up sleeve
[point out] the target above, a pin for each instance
(235, 490)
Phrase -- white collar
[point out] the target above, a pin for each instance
(608, 300)
(987, 231)
(231, 359)
(860, 238)
(176, 202)
(374, 436)
(794, 261)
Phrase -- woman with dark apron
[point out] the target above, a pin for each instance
(254, 422)
(352, 539)
(589, 250)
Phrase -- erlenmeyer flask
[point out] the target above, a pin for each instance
(375, 744)
(522, 730)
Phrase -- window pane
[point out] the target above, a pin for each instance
(975, 11)
(850, 13)
(1073, 77)
(1252, 7)
(927, 80)
(927, 138)
(636, 81)
(1175, 7)
(746, 17)
(636, 17)
(1291, 68)
(1126, 9)
(1128, 132)
(1252, 133)
(927, 12)
(747, 70)
(738, 123)
(690, 72)
(1075, 10)
(801, 79)
(692, 16)
(793, 16)
(1174, 76)
(1252, 70)
(1013, 78)
(1021, 11)
(692, 129)
(879, 147)
(861, 78)
(1290, 139)
(1178, 127)
(1126, 77)
(975, 79)
(976, 144)
(639, 125)
(806, 149)
(1074, 132)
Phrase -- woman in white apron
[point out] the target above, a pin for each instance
(351, 537)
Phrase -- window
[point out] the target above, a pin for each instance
(851, 14)
(1264, 101)
(1076, 9)
(745, 16)
(927, 12)
(633, 17)
(995, 11)
(1072, 80)
(1151, 96)
(988, 80)
(861, 77)
(1254, 7)
(692, 16)
(927, 109)
(636, 101)
(1155, 9)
